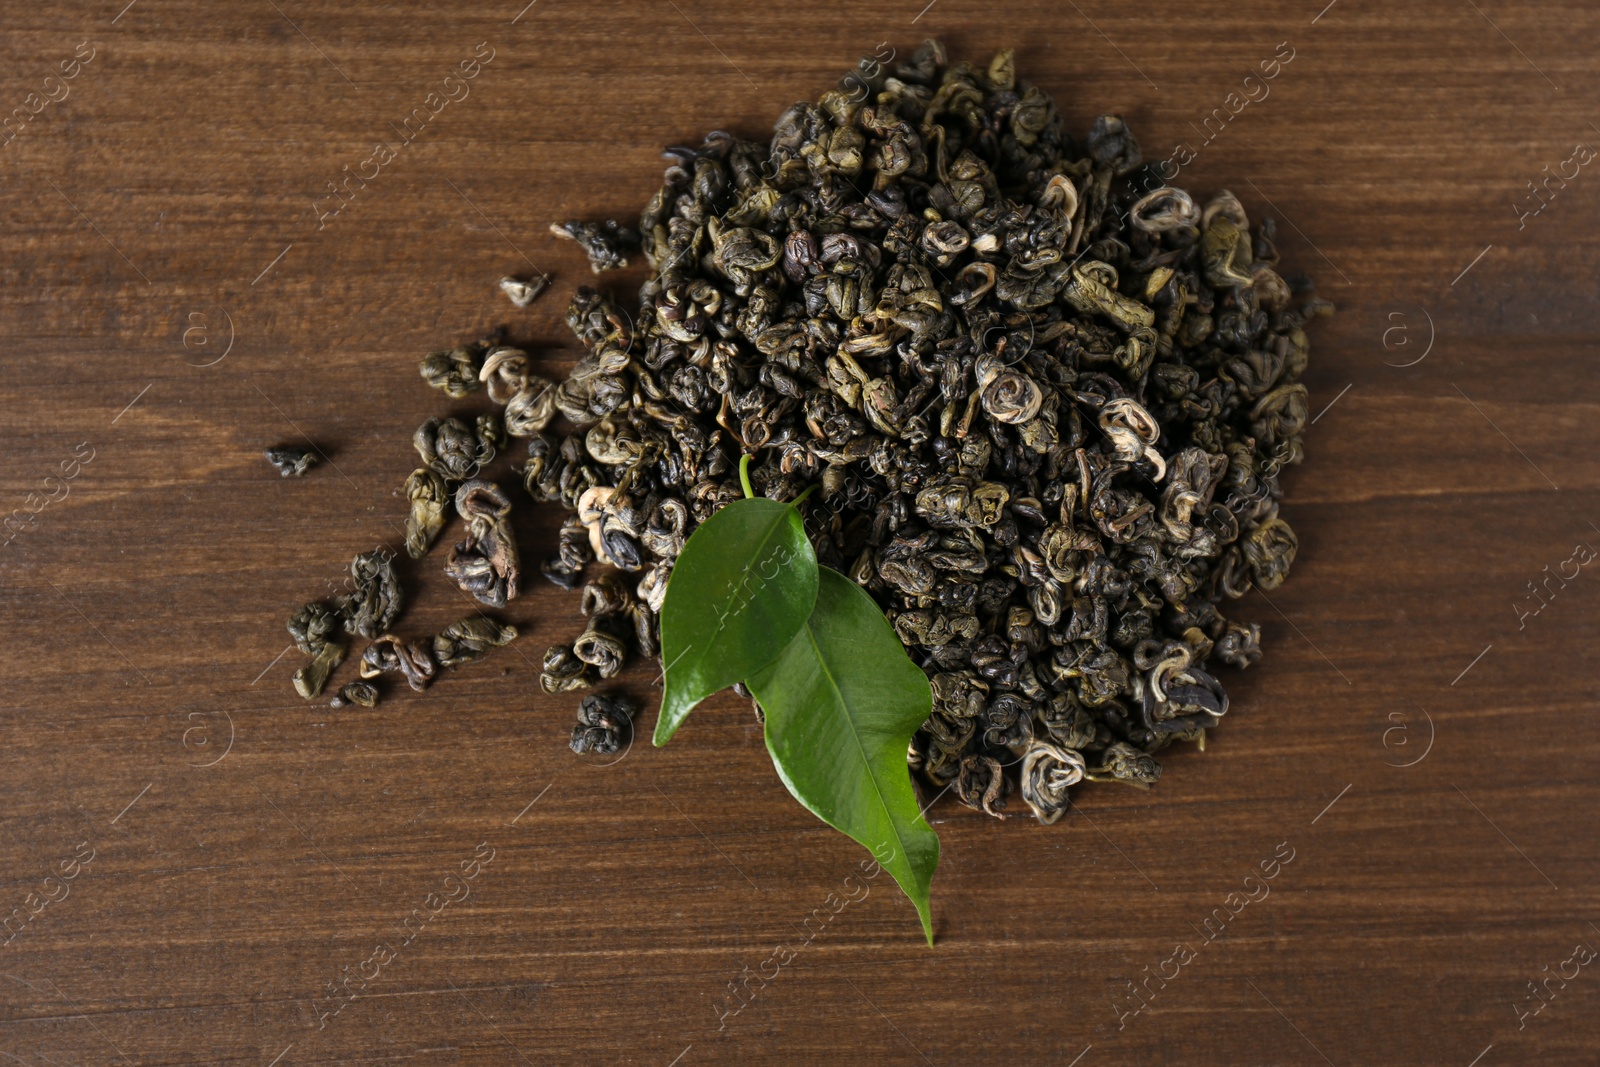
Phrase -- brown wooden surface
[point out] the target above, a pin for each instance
(174, 188)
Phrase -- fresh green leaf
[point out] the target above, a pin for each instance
(742, 587)
(842, 702)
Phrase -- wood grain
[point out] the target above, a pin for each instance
(174, 187)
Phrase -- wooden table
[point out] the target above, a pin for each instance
(177, 295)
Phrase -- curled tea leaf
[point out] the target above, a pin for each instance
(455, 371)
(391, 655)
(605, 243)
(1240, 645)
(364, 694)
(1123, 762)
(453, 449)
(464, 641)
(313, 628)
(605, 724)
(491, 433)
(1012, 398)
(1047, 772)
(606, 595)
(429, 497)
(1189, 698)
(1163, 210)
(646, 630)
(1225, 250)
(506, 372)
(532, 408)
(574, 553)
(378, 598)
(1270, 549)
(485, 564)
(981, 785)
(563, 671)
(310, 679)
(600, 648)
(1112, 144)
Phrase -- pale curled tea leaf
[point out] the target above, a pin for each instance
(522, 293)
(743, 586)
(842, 702)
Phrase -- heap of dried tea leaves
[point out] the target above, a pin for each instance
(1005, 387)
(1047, 399)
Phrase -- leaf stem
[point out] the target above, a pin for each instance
(744, 476)
(801, 499)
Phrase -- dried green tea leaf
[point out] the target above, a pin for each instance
(532, 408)
(390, 655)
(313, 628)
(1048, 770)
(464, 641)
(455, 371)
(523, 293)
(605, 243)
(378, 598)
(429, 497)
(563, 672)
(486, 564)
(601, 648)
(310, 679)
(605, 724)
(452, 448)
(363, 693)
(506, 372)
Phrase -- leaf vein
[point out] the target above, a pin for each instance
(855, 736)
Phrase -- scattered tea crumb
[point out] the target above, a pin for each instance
(292, 462)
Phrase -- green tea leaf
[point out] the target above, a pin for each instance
(842, 702)
(742, 587)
